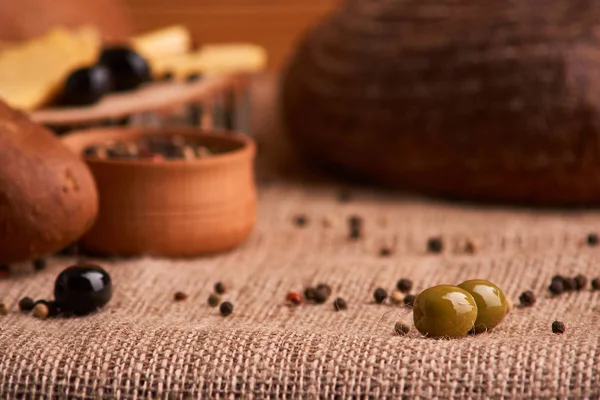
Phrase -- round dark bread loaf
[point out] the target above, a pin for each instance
(48, 196)
(493, 100)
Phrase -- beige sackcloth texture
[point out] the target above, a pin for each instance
(144, 345)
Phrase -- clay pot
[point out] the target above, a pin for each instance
(476, 100)
(175, 208)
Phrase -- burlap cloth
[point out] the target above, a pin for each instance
(144, 345)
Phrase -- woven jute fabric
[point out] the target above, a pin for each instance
(145, 345)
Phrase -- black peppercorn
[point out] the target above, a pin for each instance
(556, 286)
(180, 296)
(435, 245)
(340, 304)
(409, 300)
(193, 77)
(39, 264)
(325, 288)
(214, 300)
(26, 304)
(380, 294)
(558, 327)
(596, 284)
(356, 225)
(226, 308)
(580, 282)
(309, 294)
(220, 288)
(321, 296)
(569, 284)
(527, 298)
(404, 285)
(300, 221)
(385, 252)
(592, 239)
(401, 329)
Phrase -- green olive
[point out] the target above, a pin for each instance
(492, 306)
(444, 311)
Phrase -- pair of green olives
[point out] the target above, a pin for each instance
(453, 311)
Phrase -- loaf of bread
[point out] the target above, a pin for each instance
(48, 197)
(481, 100)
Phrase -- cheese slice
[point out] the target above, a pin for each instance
(214, 59)
(32, 73)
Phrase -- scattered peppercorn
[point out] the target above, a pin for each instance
(26, 304)
(214, 300)
(596, 284)
(41, 311)
(300, 220)
(404, 285)
(327, 222)
(470, 247)
(294, 298)
(52, 307)
(569, 284)
(180, 296)
(435, 245)
(380, 295)
(340, 304)
(556, 286)
(324, 287)
(409, 300)
(558, 327)
(321, 296)
(226, 308)
(580, 282)
(309, 294)
(220, 288)
(397, 297)
(39, 264)
(592, 239)
(401, 329)
(385, 252)
(193, 77)
(527, 298)
(356, 224)
(4, 310)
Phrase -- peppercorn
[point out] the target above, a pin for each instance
(397, 297)
(580, 282)
(39, 264)
(325, 288)
(193, 77)
(214, 300)
(40, 311)
(26, 304)
(220, 288)
(180, 296)
(294, 298)
(4, 310)
(380, 295)
(356, 224)
(596, 284)
(309, 294)
(340, 304)
(300, 220)
(52, 307)
(470, 247)
(435, 245)
(592, 239)
(321, 296)
(344, 196)
(409, 300)
(558, 327)
(404, 285)
(401, 328)
(385, 252)
(527, 298)
(556, 287)
(226, 308)
(569, 284)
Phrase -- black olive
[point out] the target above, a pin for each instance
(86, 86)
(82, 289)
(128, 69)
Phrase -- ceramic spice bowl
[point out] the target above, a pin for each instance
(203, 201)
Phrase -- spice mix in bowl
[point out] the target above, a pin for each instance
(173, 192)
